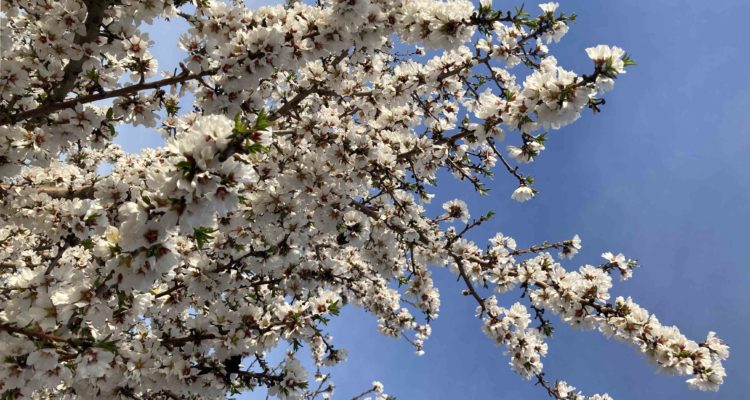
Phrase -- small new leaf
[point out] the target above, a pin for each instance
(333, 308)
(253, 148)
(548, 330)
(627, 60)
(202, 235)
(262, 122)
(188, 168)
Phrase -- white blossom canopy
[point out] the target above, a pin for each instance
(296, 185)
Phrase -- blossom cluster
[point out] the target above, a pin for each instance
(296, 184)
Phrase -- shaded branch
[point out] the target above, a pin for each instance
(95, 15)
(56, 192)
(131, 89)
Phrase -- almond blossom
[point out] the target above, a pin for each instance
(297, 182)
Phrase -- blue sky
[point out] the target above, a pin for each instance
(662, 175)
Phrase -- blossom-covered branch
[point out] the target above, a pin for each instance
(295, 184)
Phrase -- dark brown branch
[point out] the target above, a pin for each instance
(512, 170)
(94, 16)
(33, 333)
(176, 287)
(124, 91)
(194, 338)
(291, 104)
(56, 192)
(469, 285)
(551, 391)
(541, 247)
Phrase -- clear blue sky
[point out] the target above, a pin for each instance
(662, 175)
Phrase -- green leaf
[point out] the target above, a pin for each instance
(202, 235)
(548, 330)
(92, 74)
(520, 11)
(252, 148)
(188, 168)
(262, 122)
(91, 219)
(153, 251)
(172, 108)
(333, 308)
(541, 138)
(684, 354)
(239, 125)
(627, 60)
(108, 345)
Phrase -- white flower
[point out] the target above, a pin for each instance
(25, 277)
(717, 346)
(112, 234)
(550, 7)
(611, 58)
(136, 46)
(155, 271)
(68, 294)
(618, 260)
(95, 363)
(522, 193)
(563, 389)
(708, 381)
(521, 155)
(457, 209)
(571, 249)
(558, 31)
(624, 265)
(263, 137)
(43, 360)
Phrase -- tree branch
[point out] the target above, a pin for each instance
(56, 192)
(50, 108)
(541, 247)
(95, 14)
